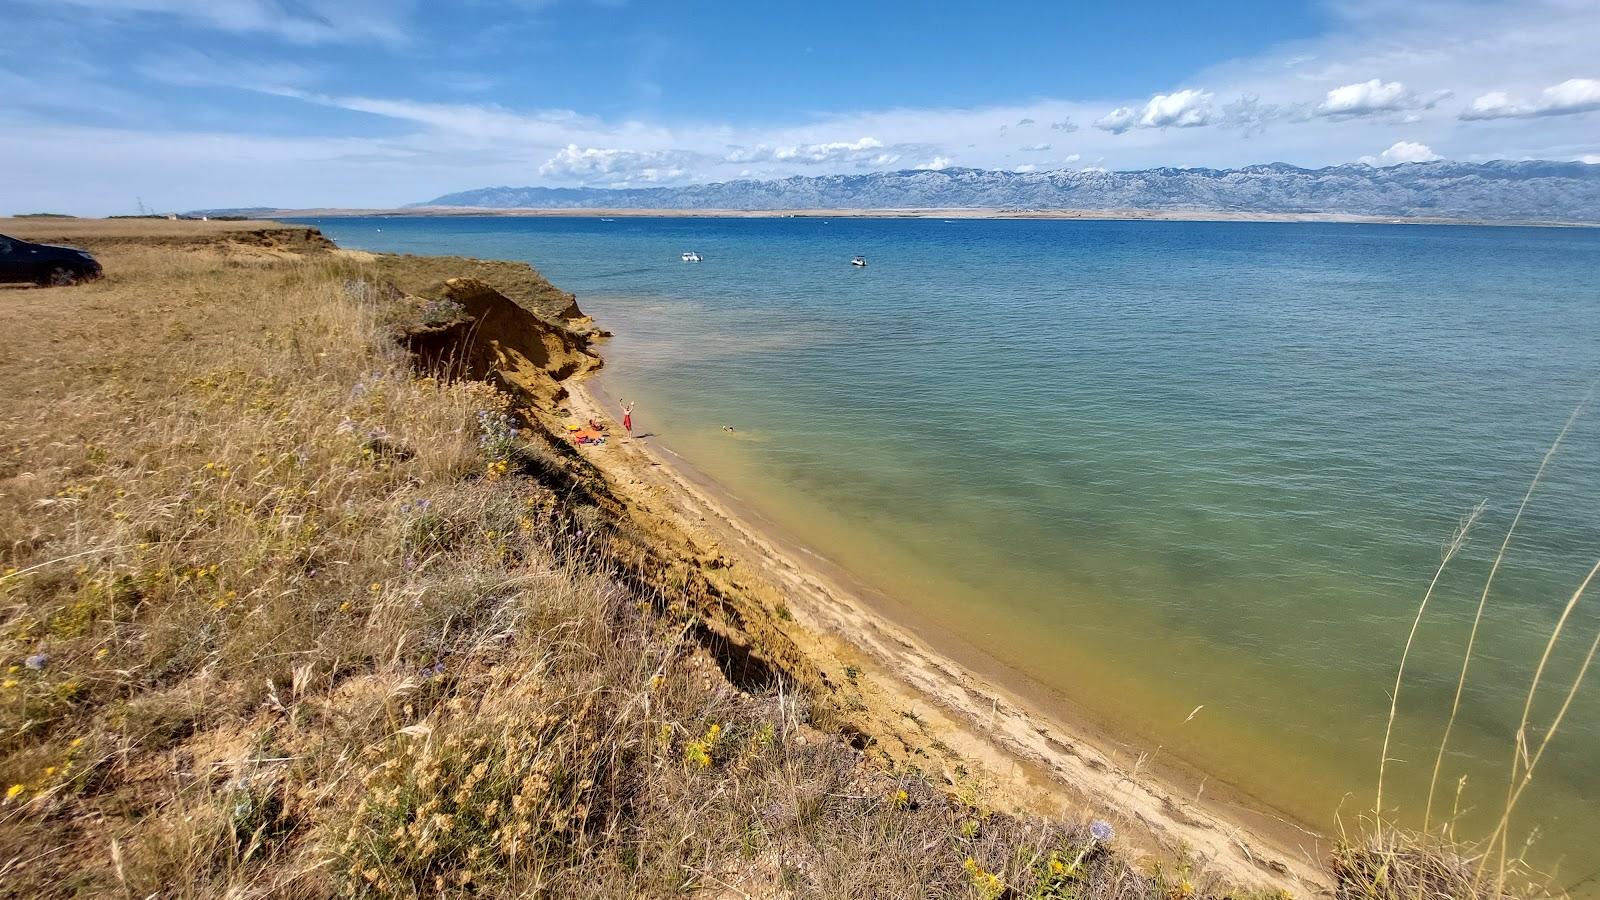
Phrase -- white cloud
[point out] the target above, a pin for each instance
(615, 166)
(1365, 98)
(832, 151)
(1402, 152)
(1180, 109)
(1575, 95)
(935, 164)
(864, 151)
(1493, 105)
(1025, 168)
(303, 22)
(1183, 109)
(1066, 125)
(1071, 158)
(1035, 148)
(1118, 120)
(1025, 122)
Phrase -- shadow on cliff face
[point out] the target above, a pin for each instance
(493, 338)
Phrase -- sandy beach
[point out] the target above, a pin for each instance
(944, 706)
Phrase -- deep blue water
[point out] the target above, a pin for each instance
(1153, 465)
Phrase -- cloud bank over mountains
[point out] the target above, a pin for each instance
(1405, 180)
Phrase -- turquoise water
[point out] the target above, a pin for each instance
(1152, 465)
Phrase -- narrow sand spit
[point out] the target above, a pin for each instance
(940, 713)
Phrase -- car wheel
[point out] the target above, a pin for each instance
(61, 276)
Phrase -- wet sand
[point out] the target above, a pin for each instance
(954, 709)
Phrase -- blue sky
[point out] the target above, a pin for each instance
(193, 103)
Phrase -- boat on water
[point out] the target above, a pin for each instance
(690, 256)
(859, 262)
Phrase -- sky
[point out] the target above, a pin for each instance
(183, 104)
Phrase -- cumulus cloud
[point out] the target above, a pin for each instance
(1181, 109)
(615, 165)
(935, 164)
(1035, 148)
(1575, 95)
(1025, 123)
(865, 151)
(1118, 120)
(1402, 152)
(1365, 98)
(1026, 168)
(1066, 125)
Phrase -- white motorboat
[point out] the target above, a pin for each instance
(690, 256)
(859, 262)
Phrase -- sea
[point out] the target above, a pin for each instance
(1191, 478)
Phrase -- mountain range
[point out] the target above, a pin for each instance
(1533, 190)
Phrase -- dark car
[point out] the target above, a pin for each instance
(44, 264)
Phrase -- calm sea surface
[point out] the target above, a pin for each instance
(1154, 465)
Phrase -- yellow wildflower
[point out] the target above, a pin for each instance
(14, 791)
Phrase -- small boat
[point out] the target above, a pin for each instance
(603, 219)
(690, 256)
(859, 262)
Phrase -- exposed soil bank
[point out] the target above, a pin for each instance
(770, 612)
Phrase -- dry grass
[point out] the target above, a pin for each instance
(283, 618)
(1387, 862)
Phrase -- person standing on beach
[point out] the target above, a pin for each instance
(627, 419)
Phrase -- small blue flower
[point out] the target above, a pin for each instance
(1101, 830)
(37, 662)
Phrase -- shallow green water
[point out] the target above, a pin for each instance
(1153, 465)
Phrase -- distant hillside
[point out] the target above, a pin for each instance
(1533, 190)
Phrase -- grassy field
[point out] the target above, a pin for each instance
(284, 616)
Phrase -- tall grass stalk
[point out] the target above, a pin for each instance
(1520, 752)
(1451, 548)
(1483, 601)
